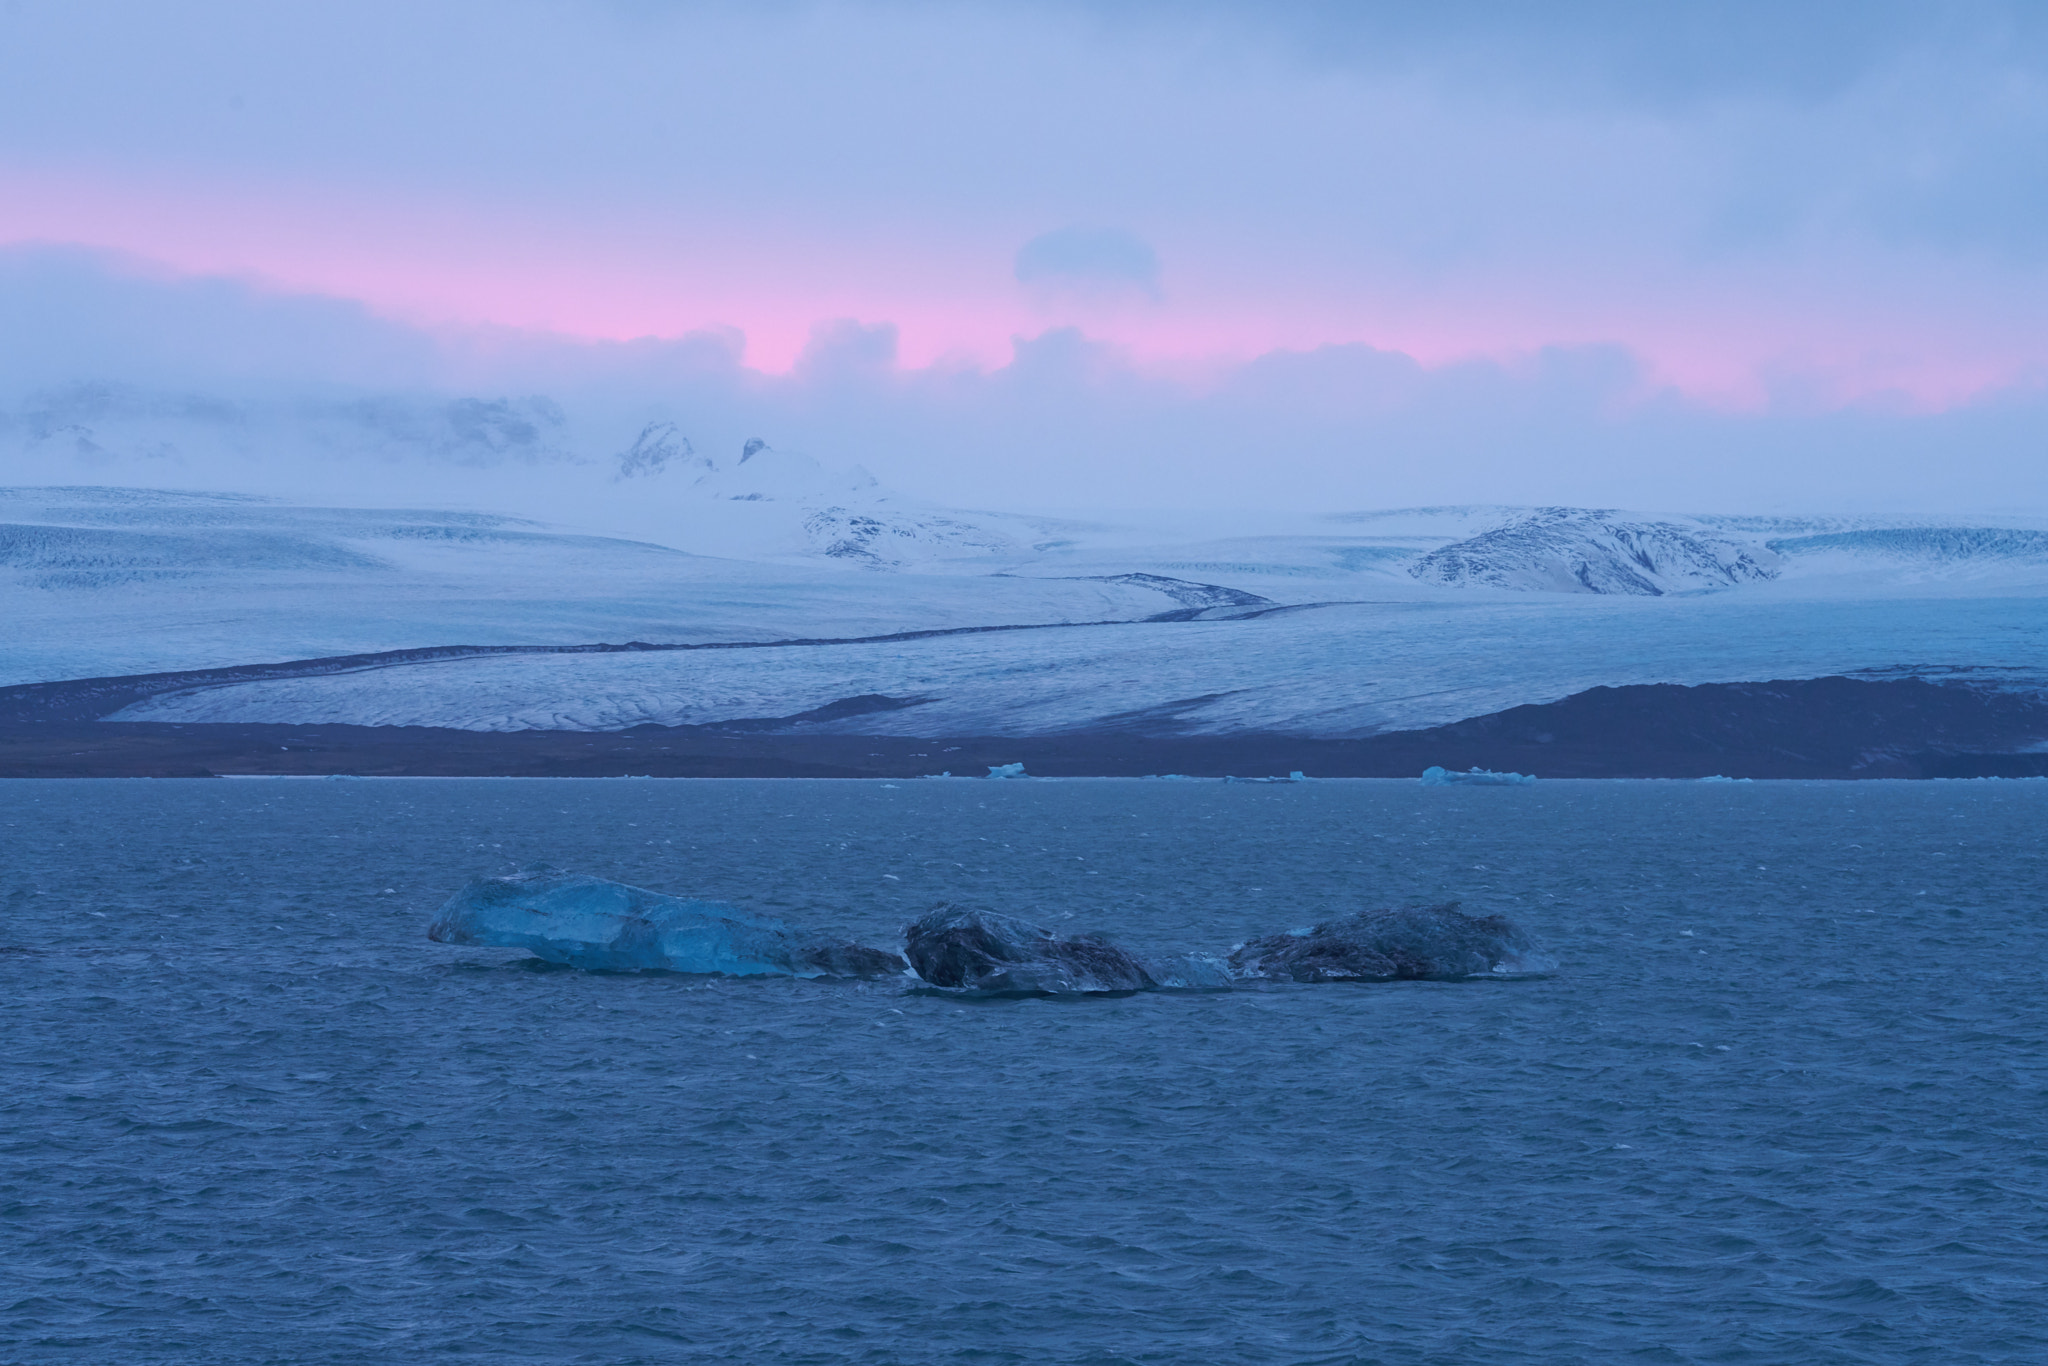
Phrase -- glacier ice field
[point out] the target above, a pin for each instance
(1342, 625)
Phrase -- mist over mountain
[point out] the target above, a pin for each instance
(115, 374)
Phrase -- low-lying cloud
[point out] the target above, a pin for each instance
(1848, 191)
(125, 376)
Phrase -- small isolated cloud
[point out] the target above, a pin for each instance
(1089, 261)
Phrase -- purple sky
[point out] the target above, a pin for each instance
(1062, 254)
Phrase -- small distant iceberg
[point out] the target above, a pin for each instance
(1007, 771)
(1432, 943)
(589, 922)
(1295, 777)
(1719, 778)
(1434, 776)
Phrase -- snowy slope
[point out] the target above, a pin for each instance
(1578, 550)
(1918, 553)
(99, 582)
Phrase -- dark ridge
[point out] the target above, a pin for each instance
(1832, 727)
(1806, 728)
(867, 704)
(1239, 613)
(1159, 719)
(1186, 592)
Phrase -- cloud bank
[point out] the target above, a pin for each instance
(1056, 253)
(126, 376)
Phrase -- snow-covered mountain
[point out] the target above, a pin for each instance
(761, 474)
(614, 467)
(1579, 550)
(796, 508)
(646, 478)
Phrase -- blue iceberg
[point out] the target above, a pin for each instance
(1406, 944)
(588, 922)
(1434, 776)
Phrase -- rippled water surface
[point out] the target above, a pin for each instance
(1783, 1102)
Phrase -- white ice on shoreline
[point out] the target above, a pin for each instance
(1437, 776)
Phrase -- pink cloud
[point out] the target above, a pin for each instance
(587, 271)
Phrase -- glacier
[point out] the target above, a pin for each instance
(1404, 944)
(589, 922)
(1339, 671)
(1338, 626)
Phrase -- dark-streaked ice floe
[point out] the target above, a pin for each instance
(1405, 944)
(955, 946)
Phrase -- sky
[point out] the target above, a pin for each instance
(1049, 254)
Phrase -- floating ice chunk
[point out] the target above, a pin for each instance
(1294, 777)
(1394, 945)
(1434, 776)
(1718, 778)
(588, 922)
(953, 946)
(1007, 771)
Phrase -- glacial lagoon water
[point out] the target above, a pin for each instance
(1782, 1102)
